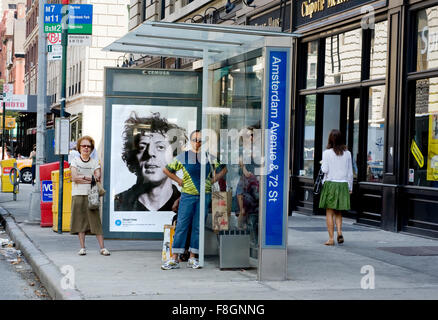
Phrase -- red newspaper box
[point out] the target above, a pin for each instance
(46, 192)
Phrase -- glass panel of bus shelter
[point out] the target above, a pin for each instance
(235, 117)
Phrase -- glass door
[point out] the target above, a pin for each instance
(342, 111)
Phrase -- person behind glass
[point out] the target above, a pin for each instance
(337, 184)
(32, 156)
(84, 220)
(247, 190)
(188, 210)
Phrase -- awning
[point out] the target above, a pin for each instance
(190, 40)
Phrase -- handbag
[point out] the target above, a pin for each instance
(93, 195)
(318, 183)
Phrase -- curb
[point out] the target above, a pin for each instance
(48, 273)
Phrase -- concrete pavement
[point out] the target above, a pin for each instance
(314, 270)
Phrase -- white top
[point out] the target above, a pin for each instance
(337, 168)
(83, 168)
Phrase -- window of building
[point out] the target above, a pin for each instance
(343, 57)
(379, 50)
(427, 39)
(312, 60)
(376, 133)
(423, 155)
(309, 137)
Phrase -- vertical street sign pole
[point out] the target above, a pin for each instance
(4, 131)
(64, 42)
(35, 199)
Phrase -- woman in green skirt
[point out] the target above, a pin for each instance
(337, 184)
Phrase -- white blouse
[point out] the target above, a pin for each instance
(337, 168)
(86, 169)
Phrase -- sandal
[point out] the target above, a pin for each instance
(340, 239)
(104, 252)
(330, 243)
(82, 252)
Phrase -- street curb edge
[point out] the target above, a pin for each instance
(48, 273)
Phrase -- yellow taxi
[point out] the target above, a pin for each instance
(24, 167)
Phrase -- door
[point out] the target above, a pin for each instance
(342, 111)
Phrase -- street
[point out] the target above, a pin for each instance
(17, 280)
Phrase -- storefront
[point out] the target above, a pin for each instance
(368, 69)
(240, 102)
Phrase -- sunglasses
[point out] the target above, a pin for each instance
(85, 146)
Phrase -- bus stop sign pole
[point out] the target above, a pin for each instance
(64, 42)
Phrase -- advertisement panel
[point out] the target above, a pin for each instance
(144, 139)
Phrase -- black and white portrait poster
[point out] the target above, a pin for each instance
(144, 139)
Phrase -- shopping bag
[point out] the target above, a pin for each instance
(93, 196)
(169, 232)
(221, 209)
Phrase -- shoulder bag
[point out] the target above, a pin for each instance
(318, 183)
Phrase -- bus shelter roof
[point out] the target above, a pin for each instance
(189, 40)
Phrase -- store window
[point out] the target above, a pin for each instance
(343, 57)
(312, 61)
(427, 39)
(423, 155)
(309, 137)
(376, 134)
(379, 50)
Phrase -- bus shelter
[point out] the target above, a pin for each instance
(241, 103)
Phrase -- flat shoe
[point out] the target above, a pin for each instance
(330, 243)
(82, 252)
(104, 252)
(340, 239)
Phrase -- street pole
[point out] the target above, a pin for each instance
(35, 209)
(64, 42)
(4, 131)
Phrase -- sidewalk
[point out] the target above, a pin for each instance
(314, 270)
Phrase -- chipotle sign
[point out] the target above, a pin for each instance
(306, 11)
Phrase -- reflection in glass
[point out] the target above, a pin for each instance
(379, 49)
(355, 146)
(235, 117)
(427, 39)
(423, 156)
(309, 137)
(332, 114)
(376, 134)
(356, 135)
(343, 57)
(312, 61)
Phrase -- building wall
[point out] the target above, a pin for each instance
(85, 67)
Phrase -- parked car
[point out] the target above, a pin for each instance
(25, 169)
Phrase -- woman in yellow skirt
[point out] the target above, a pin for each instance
(337, 184)
(83, 220)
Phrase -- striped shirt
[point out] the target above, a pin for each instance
(191, 167)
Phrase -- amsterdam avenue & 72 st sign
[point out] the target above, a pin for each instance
(79, 18)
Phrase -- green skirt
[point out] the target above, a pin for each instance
(335, 195)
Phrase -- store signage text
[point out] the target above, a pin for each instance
(306, 11)
(272, 19)
(308, 8)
